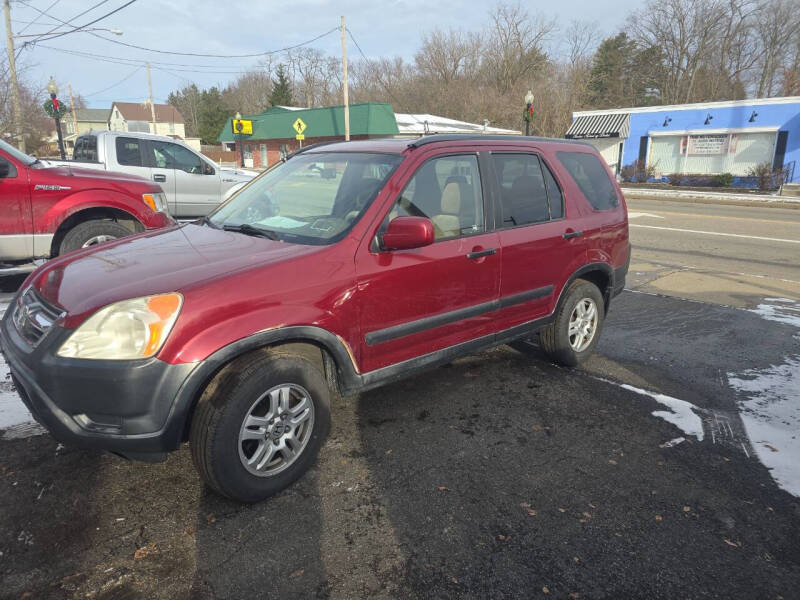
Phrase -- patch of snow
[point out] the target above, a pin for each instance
(771, 417)
(782, 310)
(12, 411)
(681, 413)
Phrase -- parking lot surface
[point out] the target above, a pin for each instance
(667, 466)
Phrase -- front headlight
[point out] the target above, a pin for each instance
(125, 330)
(158, 202)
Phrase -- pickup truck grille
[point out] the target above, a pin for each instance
(33, 316)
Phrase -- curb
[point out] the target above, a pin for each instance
(760, 200)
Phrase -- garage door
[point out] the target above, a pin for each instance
(665, 154)
(751, 149)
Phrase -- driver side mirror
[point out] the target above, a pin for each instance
(208, 169)
(5, 169)
(406, 233)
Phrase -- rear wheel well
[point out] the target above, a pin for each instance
(602, 280)
(317, 354)
(100, 213)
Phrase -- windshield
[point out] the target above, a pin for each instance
(16, 154)
(312, 198)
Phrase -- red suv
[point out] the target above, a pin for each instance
(348, 266)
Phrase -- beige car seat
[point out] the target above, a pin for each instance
(448, 224)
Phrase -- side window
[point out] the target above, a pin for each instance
(523, 193)
(447, 191)
(12, 170)
(591, 177)
(85, 148)
(554, 194)
(173, 156)
(128, 152)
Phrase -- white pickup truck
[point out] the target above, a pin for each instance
(193, 184)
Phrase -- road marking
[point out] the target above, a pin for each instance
(735, 235)
(636, 215)
(707, 216)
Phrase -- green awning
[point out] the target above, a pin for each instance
(369, 118)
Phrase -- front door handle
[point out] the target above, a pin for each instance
(568, 235)
(159, 178)
(481, 253)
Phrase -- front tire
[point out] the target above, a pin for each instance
(91, 233)
(572, 336)
(260, 425)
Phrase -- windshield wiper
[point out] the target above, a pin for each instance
(208, 222)
(248, 229)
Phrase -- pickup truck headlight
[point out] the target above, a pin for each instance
(125, 330)
(158, 202)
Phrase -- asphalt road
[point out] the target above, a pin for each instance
(499, 476)
(724, 254)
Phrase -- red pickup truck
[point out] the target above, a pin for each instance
(47, 210)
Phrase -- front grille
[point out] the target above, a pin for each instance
(33, 316)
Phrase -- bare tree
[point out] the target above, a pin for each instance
(515, 45)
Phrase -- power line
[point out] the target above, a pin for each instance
(123, 80)
(385, 87)
(257, 54)
(134, 61)
(91, 8)
(76, 29)
(42, 14)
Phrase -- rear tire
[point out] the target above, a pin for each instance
(91, 233)
(572, 336)
(246, 443)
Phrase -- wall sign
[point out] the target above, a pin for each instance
(705, 144)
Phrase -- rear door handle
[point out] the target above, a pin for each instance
(481, 253)
(160, 178)
(568, 235)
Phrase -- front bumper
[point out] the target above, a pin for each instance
(136, 408)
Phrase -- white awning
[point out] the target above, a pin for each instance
(616, 125)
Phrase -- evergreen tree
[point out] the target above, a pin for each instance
(623, 74)
(281, 94)
(212, 115)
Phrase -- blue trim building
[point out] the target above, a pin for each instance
(698, 139)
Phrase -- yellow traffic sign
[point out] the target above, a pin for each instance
(299, 126)
(246, 126)
(300, 137)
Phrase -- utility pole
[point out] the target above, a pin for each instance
(74, 115)
(12, 65)
(152, 106)
(344, 80)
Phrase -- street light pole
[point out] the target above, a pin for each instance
(239, 128)
(12, 67)
(52, 87)
(528, 111)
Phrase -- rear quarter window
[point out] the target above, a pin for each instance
(85, 149)
(592, 178)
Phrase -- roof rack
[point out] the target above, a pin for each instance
(454, 137)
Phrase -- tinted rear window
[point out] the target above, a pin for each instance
(85, 148)
(128, 152)
(592, 178)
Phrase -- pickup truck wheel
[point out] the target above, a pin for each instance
(260, 427)
(572, 337)
(91, 233)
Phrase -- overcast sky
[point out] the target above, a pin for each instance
(381, 28)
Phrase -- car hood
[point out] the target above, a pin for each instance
(238, 174)
(178, 259)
